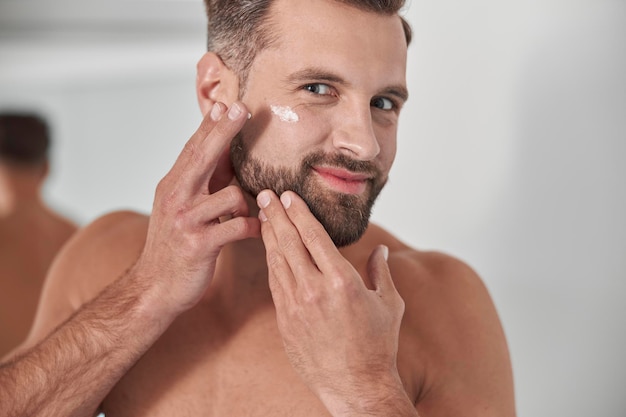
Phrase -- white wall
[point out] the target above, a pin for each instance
(511, 154)
(513, 158)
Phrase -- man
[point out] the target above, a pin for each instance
(30, 233)
(222, 305)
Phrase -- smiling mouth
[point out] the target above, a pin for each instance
(342, 180)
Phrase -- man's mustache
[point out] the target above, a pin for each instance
(342, 161)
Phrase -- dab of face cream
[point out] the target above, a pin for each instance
(285, 113)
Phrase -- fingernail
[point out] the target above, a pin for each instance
(216, 112)
(262, 216)
(385, 252)
(234, 111)
(263, 199)
(286, 200)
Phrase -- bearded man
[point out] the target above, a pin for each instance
(257, 286)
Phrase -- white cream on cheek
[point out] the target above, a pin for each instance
(285, 113)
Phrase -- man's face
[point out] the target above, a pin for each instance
(325, 101)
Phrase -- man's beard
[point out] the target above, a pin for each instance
(344, 216)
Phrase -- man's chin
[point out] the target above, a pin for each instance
(344, 216)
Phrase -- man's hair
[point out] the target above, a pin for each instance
(239, 29)
(24, 139)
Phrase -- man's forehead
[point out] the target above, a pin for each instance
(340, 36)
(330, 17)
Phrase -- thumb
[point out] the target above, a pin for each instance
(378, 269)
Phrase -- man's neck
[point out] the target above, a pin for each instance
(241, 275)
(20, 189)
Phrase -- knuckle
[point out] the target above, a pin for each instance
(233, 195)
(274, 259)
(311, 236)
(192, 152)
(345, 286)
(165, 199)
(310, 297)
(289, 242)
(238, 227)
(401, 305)
(164, 187)
(181, 221)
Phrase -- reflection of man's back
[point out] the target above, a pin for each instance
(30, 233)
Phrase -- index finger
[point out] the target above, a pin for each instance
(289, 243)
(199, 158)
(315, 238)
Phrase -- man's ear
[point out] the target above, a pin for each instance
(215, 82)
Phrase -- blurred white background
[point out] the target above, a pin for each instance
(511, 153)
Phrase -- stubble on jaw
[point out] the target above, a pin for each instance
(344, 216)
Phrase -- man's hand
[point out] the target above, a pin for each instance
(185, 234)
(72, 370)
(340, 336)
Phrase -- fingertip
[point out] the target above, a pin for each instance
(381, 251)
(378, 267)
(385, 251)
(263, 199)
(217, 111)
(237, 110)
(234, 112)
(285, 199)
(288, 198)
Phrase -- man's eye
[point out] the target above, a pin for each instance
(321, 89)
(382, 103)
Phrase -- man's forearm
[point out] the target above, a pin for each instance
(72, 370)
(395, 404)
(383, 397)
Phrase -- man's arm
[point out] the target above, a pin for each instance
(70, 371)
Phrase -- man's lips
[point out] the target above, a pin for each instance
(342, 180)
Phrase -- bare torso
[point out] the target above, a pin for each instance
(29, 240)
(225, 356)
(207, 364)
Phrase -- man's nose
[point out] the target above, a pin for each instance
(356, 137)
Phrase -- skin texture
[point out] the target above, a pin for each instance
(30, 236)
(223, 304)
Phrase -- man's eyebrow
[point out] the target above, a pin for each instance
(319, 74)
(315, 74)
(399, 91)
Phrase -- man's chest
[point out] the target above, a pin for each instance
(203, 370)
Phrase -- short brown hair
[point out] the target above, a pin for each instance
(239, 29)
(24, 139)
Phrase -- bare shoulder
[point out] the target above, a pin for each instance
(451, 332)
(94, 257)
(421, 276)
